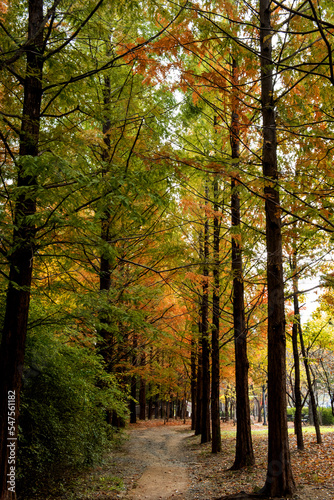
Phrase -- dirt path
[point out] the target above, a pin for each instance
(168, 462)
(159, 451)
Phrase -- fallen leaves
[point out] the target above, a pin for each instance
(211, 478)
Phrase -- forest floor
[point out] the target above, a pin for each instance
(158, 461)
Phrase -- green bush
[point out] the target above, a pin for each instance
(292, 411)
(327, 416)
(65, 398)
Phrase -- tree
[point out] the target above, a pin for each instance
(22, 251)
(295, 331)
(244, 455)
(279, 479)
(205, 422)
(215, 376)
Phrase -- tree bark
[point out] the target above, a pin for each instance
(199, 393)
(279, 480)
(142, 399)
(133, 414)
(14, 333)
(244, 455)
(107, 343)
(193, 382)
(298, 395)
(142, 392)
(205, 426)
(227, 416)
(215, 389)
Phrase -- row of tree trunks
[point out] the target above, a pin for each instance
(156, 408)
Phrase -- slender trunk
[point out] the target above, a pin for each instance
(184, 407)
(259, 414)
(205, 427)
(156, 406)
(107, 343)
(310, 386)
(193, 383)
(244, 455)
(133, 416)
(328, 385)
(226, 408)
(198, 427)
(199, 406)
(279, 480)
(133, 400)
(298, 395)
(105, 218)
(142, 392)
(142, 399)
(14, 333)
(105, 157)
(215, 418)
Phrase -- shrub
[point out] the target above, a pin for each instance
(327, 416)
(65, 396)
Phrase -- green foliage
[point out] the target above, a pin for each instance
(292, 411)
(327, 416)
(65, 399)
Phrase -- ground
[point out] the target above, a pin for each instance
(159, 461)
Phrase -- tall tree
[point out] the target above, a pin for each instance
(244, 455)
(295, 331)
(193, 380)
(279, 480)
(215, 375)
(21, 256)
(205, 424)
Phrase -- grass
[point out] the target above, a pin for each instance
(309, 429)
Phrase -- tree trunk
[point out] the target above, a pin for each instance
(133, 415)
(199, 405)
(313, 403)
(142, 391)
(133, 400)
(14, 333)
(244, 455)
(198, 426)
(298, 395)
(142, 399)
(279, 480)
(193, 382)
(106, 344)
(150, 407)
(205, 427)
(226, 408)
(215, 418)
